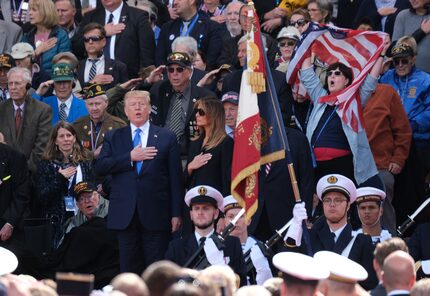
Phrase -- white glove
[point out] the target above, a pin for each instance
(261, 265)
(295, 231)
(214, 256)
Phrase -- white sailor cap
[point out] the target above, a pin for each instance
(369, 194)
(300, 266)
(425, 264)
(8, 260)
(342, 269)
(230, 203)
(339, 183)
(204, 194)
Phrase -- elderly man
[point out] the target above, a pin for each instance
(146, 195)
(231, 14)
(66, 10)
(91, 128)
(65, 105)
(205, 204)
(24, 121)
(398, 274)
(230, 101)
(334, 233)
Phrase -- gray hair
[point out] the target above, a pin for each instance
(72, 2)
(324, 5)
(231, 4)
(189, 42)
(73, 60)
(25, 73)
(153, 10)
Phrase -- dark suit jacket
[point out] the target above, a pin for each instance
(14, 192)
(112, 67)
(34, 132)
(379, 290)
(161, 95)
(156, 193)
(134, 46)
(206, 32)
(419, 243)
(180, 251)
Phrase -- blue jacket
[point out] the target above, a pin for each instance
(414, 90)
(77, 109)
(63, 45)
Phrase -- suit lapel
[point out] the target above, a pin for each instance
(343, 240)
(108, 66)
(190, 247)
(326, 238)
(122, 19)
(81, 70)
(10, 115)
(72, 110)
(152, 141)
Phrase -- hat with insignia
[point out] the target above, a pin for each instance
(204, 194)
(369, 194)
(337, 183)
(22, 50)
(6, 61)
(342, 269)
(230, 203)
(62, 72)
(401, 51)
(300, 266)
(82, 187)
(289, 32)
(92, 90)
(8, 260)
(179, 58)
(230, 97)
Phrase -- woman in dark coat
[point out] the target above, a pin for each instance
(64, 164)
(210, 155)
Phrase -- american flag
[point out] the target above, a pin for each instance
(358, 50)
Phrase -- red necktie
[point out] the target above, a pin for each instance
(18, 118)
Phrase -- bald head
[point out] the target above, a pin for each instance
(398, 271)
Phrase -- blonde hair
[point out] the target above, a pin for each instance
(47, 10)
(216, 119)
(138, 93)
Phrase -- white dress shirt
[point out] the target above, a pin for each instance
(68, 103)
(116, 17)
(144, 132)
(337, 232)
(100, 67)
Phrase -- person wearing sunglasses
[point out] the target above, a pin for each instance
(97, 68)
(210, 154)
(300, 19)
(413, 86)
(287, 40)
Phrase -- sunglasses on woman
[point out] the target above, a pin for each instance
(335, 72)
(93, 38)
(199, 111)
(299, 23)
(287, 43)
(172, 69)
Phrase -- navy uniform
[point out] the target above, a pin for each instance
(181, 250)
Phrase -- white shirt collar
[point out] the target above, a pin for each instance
(116, 14)
(15, 106)
(198, 236)
(144, 128)
(68, 102)
(338, 232)
(397, 292)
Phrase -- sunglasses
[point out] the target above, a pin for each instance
(199, 111)
(287, 43)
(398, 62)
(172, 69)
(93, 38)
(335, 72)
(299, 23)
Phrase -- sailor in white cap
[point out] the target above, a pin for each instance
(369, 206)
(8, 261)
(205, 204)
(344, 274)
(258, 268)
(334, 233)
(301, 273)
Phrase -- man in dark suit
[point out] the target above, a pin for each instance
(398, 274)
(130, 38)
(97, 68)
(10, 33)
(146, 194)
(205, 203)
(24, 121)
(206, 32)
(174, 90)
(334, 233)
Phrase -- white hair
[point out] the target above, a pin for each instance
(189, 42)
(25, 73)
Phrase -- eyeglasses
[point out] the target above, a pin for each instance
(314, 9)
(398, 62)
(336, 201)
(287, 43)
(199, 111)
(298, 23)
(93, 38)
(172, 69)
(335, 72)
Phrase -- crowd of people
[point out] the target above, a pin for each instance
(117, 130)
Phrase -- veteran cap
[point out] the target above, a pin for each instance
(230, 203)
(342, 269)
(62, 72)
(289, 32)
(204, 194)
(230, 97)
(92, 90)
(369, 194)
(6, 61)
(82, 187)
(300, 266)
(22, 50)
(8, 261)
(337, 183)
(179, 58)
(401, 51)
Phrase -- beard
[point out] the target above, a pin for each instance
(204, 226)
(234, 28)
